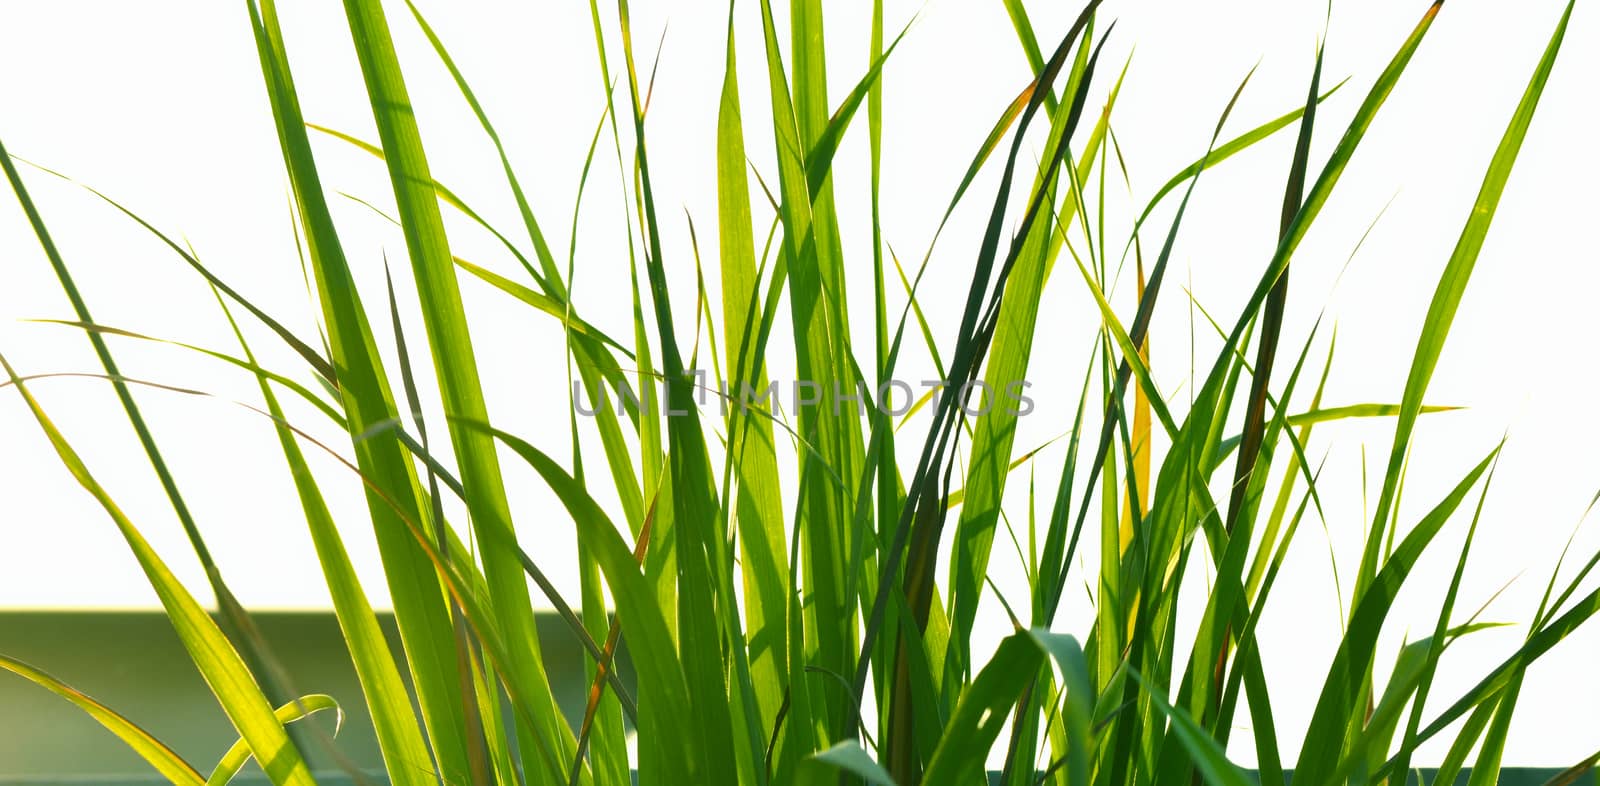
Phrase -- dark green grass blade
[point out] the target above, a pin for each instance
(1254, 439)
(1208, 397)
(651, 644)
(996, 428)
(1571, 775)
(703, 576)
(920, 520)
(1255, 421)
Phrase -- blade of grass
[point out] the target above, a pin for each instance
(850, 757)
(219, 663)
(1319, 754)
(165, 760)
(703, 576)
(1452, 285)
(660, 668)
(239, 753)
(388, 702)
(238, 627)
(456, 368)
(393, 491)
(248, 365)
(759, 505)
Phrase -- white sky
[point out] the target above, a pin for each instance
(161, 106)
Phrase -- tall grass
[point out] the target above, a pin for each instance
(824, 646)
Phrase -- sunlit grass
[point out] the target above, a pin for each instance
(824, 645)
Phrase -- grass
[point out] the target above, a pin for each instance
(824, 646)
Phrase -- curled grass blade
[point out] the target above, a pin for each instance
(239, 753)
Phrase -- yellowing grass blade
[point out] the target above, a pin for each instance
(219, 663)
(1139, 462)
(164, 759)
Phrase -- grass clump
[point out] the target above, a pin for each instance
(793, 627)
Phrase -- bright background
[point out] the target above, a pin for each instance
(161, 106)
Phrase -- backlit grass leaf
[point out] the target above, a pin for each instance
(165, 760)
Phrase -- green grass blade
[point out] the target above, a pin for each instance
(654, 655)
(551, 276)
(165, 760)
(543, 303)
(1491, 686)
(393, 492)
(219, 663)
(759, 506)
(239, 628)
(1441, 634)
(983, 709)
(456, 368)
(707, 607)
(312, 358)
(1079, 701)
(239, 753)
(819, 159)
(388, 702)
(850, 757)
(1208, 756)
(813, 262)
(1453, 284)
(1321, 750)
(1030, 44)
(1221, 153)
